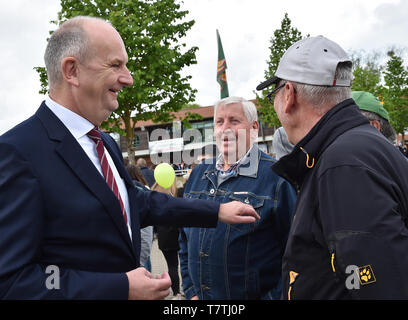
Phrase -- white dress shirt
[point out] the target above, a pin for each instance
(79, 127)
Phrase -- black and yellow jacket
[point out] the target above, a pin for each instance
(348, 238)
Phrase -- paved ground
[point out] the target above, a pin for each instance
(159, 264)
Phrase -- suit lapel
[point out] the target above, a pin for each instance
(75, 157)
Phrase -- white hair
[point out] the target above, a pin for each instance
(323, 96)
(249, 108)
(70, 40)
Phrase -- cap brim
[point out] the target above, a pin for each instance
(268, 83)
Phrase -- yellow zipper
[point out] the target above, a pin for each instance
(332, 262)
(290, 289)
(292, 277)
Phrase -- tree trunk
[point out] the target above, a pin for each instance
(130, 136)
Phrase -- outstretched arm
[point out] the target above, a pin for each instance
(237, 212)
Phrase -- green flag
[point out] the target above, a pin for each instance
(221, 69)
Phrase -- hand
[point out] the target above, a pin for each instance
(237, 212)
(143, 286)
(194, 298)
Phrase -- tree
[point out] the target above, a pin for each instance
(152, 32)
(366, 71)
(282, 39)
(394, 93)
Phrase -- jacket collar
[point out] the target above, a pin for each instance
(248, 167)
(305, 155)
(77, 125)
(54, 127)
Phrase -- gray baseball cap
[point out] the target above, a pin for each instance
(312, 61)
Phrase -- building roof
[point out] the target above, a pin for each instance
(205, 112)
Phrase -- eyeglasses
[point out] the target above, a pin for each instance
(271, 95)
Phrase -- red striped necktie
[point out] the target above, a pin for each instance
(106, 169)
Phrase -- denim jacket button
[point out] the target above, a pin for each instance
(212, 191)
(202, 254)
(246, 200)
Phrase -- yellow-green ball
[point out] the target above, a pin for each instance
(164, 175)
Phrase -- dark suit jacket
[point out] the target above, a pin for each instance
(148, 174)
(56, 209)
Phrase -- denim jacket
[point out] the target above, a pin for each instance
(241, 261)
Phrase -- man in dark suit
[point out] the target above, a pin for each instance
(68, 209)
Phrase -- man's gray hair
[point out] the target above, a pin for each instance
(141, 162)
(70, 40)
(385, 127)
(323, 96)
(249, 108)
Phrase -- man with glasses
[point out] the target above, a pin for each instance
(237, 261)
(271, 95)
(348, 238)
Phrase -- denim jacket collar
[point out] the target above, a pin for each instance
(249, 166)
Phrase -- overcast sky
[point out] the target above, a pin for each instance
(245, 26)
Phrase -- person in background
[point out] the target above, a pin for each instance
(374, 111)
(207, 152)
(147, 173)
(281, 144)
(180, 187)
(167, 237)
(404, 150)
(349, 237)
(146, 233)
(243, 261)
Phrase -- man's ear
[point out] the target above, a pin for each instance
(255, 125)
(376, 124)
(289, 98)
(254, 131)
(70, 71)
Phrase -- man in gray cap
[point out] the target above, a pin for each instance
(348, 239)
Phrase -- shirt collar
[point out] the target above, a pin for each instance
(246, 166)
(77, 125)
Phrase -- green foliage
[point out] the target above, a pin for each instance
(282, 39)
(191, 117)
(394, 93)
(152, 31)
(43, 79)
(365, 79)
(366, 72)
